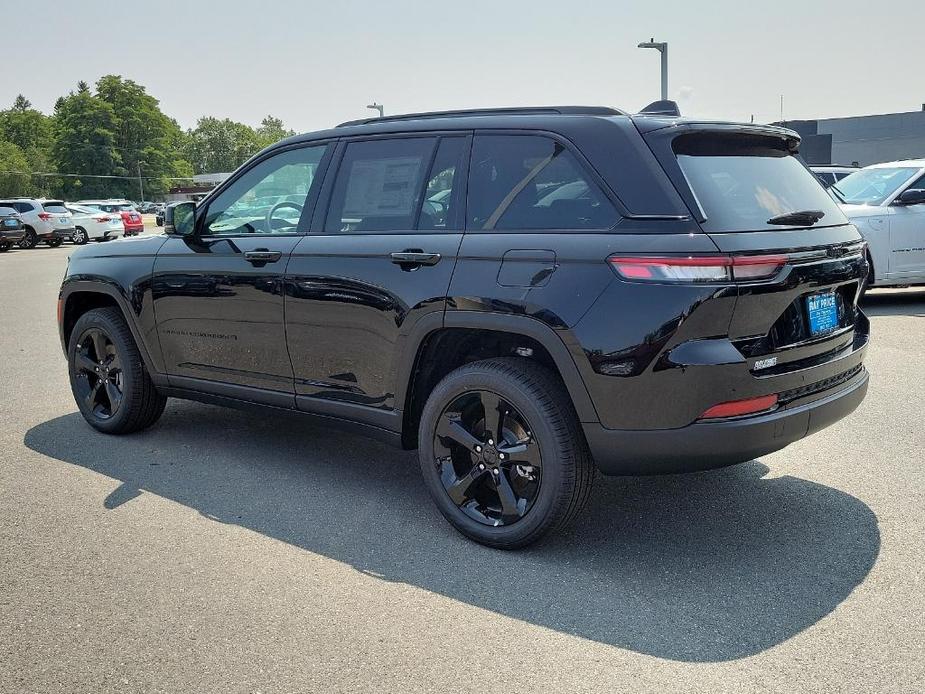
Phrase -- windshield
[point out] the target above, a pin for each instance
(741, 182)
(873, 186)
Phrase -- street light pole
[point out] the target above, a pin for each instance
(661, 47)
(377, 107)
(141, 187)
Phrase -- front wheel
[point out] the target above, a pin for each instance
(80, 236)
(29, 239)
(502, 453)
(109, 381)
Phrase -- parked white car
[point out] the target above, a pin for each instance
(45, 221)
(886, 202)
(92, 225)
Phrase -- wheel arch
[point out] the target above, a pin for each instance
(77, 298)
(435, 347)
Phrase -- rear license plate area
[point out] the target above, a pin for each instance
(822, 313)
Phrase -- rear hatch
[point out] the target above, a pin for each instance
(759, 204)
(56, 214)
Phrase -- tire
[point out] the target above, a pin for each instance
(80, 236)
(101, 338)
(54, 243)
(29, 239)
(4, 247)
(538, 419)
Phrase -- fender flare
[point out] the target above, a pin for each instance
(108, 287)
(410, 346)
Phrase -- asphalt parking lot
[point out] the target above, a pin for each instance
(227, 551)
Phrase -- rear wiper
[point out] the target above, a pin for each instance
(803, 217)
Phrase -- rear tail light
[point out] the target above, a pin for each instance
(44, 216)
(102, 218)
(738, 408)
(704, 268)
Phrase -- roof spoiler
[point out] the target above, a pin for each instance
(661, 108)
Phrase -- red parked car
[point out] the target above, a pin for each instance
(131, 218)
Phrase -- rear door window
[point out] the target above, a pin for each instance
(532, 182)
(380, 185)
(741, 182)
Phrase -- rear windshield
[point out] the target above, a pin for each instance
(741, 182)
(54, 207)
(7, 211)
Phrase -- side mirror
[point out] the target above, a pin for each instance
(180, 218)
(913, 196)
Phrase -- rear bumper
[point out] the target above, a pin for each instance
(61, 234)
(11, 236)
(706, 445)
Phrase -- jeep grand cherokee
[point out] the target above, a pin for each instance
(523, 295)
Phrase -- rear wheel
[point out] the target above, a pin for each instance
(502, 453)
(80, 236)
(54, 243)
(109, 381)
(29, 239)
(4, 246)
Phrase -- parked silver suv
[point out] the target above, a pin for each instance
(44, 220)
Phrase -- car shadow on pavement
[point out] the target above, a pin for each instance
(905, 303)
(701, 567)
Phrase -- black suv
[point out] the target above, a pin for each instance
(521, 294)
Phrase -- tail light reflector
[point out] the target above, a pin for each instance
(737, 408)
(704, 268)
(102, 218)
(44, 216)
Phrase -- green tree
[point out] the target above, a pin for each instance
(12, 159)
(85, 143)
(145, 138)
(32, 132)
(271, 131)
(215, 145)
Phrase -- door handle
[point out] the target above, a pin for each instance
(262, 256)
(414, 258)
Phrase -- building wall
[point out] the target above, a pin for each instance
(862, 139)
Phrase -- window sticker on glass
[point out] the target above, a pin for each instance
(382, 187)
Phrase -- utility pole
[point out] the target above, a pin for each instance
(141, 187)
(377, 107)
(661, 47)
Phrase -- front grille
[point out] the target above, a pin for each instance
(819, 386)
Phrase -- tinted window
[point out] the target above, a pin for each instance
(269, 198)
(23, 206)
(438, 211)
(379, 185)
(532, 182)
(741, 182)
(918, 185)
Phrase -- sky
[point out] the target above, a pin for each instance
(315, 64)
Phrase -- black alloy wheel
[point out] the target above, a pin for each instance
(109, 381)
(502, 452)
(29, 239)
(490, 465)
(98, 374)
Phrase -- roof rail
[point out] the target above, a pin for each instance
(512, 111)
